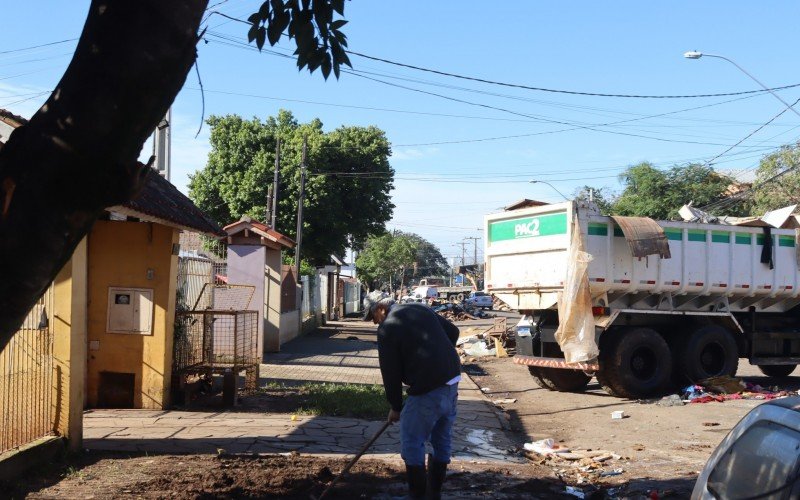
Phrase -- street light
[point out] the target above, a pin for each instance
(535, 181)
(693, 54)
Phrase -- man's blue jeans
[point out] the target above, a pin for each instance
(428, 417)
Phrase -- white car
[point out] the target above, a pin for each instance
(759, 458)
(479, 299)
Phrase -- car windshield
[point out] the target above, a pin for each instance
(763, 463)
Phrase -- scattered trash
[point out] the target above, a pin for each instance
(499, 349)
(671, 400)
(479, 349)
(545, 447)
(466, 340)
(613, 472)
(294, 418)
(575, 491)
(459, 312)
(485, 389)
(725, 388)
(710, 424)
(618, 415)
(506, 401)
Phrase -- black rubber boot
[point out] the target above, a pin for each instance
(417, 480)
(436, 474)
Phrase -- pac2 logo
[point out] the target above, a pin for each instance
(527, 229)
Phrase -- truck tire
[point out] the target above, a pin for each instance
(536, 373)
(557, 379)
(709, 351)
(777, 371)
(634, 363)
(460, 297)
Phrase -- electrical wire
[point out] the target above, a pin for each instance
(37, 46)
(561, 91)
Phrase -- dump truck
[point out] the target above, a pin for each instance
(447, 293)
(643, 305)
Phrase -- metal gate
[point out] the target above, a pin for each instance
(27, 409)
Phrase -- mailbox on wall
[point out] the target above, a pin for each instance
(130, 310)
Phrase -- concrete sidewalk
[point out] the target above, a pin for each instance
(341, 352)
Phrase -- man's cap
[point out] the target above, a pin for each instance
(373, 299)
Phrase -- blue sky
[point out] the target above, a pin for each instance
(455, 160)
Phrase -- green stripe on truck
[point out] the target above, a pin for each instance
(597, 229)
(528, 227)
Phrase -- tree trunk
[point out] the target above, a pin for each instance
(78, 155)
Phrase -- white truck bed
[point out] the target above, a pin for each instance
(526, 262)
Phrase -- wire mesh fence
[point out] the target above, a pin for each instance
(27, 407)
(215, 341)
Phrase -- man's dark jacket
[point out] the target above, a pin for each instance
(416, 346)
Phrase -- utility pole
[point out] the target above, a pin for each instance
(475, 250)
(275, 180)
(463, 245)
(300, 201)
(162, 145)
(269, 206)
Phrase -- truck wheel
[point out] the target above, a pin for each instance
(707, 352)
(460, 297)
(556, 379)
(634, 363)
(777, 371)
(536, 373)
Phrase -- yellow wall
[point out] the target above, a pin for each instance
(120, 254)
(69, 347)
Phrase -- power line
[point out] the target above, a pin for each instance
(38, 46)
(753, 132)
(574, 126)
(540, 89)
(560, 91)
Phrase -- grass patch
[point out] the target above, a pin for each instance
(337, 400)
(345, 400)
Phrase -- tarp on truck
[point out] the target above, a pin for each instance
(575, 334)
(644, 236)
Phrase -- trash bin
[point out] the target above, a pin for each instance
(524, 336)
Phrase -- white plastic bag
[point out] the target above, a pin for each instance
(575, 332)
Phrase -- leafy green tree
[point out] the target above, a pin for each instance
(603, 197)
(659, 194)
(429, 260)
(347, 186)
(391, 260)
(783, 190)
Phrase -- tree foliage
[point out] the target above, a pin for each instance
(318, 37)
(342, 206)
(772, 192)
(659, 194)
(392, 259)
(603, 197)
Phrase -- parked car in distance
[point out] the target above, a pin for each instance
(479, 299)
(759, 458)
(421, 294)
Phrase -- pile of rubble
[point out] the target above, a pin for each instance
(458, 312)
(725, 388)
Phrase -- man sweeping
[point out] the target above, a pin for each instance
(416, 347)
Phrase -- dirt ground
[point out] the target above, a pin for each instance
(101, 475)
(661, 448)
